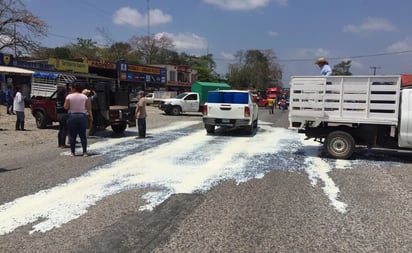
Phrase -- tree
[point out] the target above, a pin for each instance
(119, 51)
(84, 48)
(255, 69)
(150, 48)
(19, 27)
(342, 69)
(205, 75)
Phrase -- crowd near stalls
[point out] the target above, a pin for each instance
(116, 86)
(127, 79)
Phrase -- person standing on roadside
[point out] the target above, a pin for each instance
(79, 109)
(62, 116)
(282, 104)
(18, 107)
(141, 114)
(91, 95)
(9, 100)
(271, 105)
(323, 64)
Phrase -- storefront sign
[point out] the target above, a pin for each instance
(141, 73)
(65, 65)
(6, 59)
(101, 64)
(34, 65)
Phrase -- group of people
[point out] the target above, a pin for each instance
(272, 102)
(78, 118)
(75, 117)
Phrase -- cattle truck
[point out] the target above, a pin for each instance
(347, 112)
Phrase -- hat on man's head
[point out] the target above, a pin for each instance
(141, 93)
(86, 92)
(321, 60)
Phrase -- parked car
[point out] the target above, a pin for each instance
(190, 101)
(149, 98)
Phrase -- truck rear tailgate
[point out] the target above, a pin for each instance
(226, 111)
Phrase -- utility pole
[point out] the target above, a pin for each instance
(148, 18)
(148, 32)
(374, 69)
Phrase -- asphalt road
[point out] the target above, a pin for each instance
(181, 190)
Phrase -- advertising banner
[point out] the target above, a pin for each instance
(140, 73)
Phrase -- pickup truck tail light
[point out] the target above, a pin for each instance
(204, 111)
(247, 111)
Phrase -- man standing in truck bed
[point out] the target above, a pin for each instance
(141, 114)
(323, 64)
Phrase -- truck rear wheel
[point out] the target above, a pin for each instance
(118, 128)
(210, 129)
(339, 145)
(41, 121)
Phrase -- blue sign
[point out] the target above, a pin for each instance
(6, 59)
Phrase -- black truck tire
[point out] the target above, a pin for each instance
(210, 129)
(118, 128)
(175, 111)
(339, 145)
(41, 120)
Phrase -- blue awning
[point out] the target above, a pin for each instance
(46, 75)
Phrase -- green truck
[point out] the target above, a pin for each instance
(191, 101)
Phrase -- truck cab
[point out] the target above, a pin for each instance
(184, 102)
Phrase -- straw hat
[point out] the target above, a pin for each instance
(86, 92)
(321, 60)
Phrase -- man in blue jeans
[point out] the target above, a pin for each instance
(141, 114)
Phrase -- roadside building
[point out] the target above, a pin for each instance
(179, 77)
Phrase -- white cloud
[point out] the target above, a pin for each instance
(304, 53)
(273, 34)
(228, 56)
(241, 5)
(371, 24)
(186, 41)
(132, 17)
(400, 46)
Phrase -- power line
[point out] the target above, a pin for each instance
(329, 58)
(349, 57)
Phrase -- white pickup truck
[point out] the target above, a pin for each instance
(230, 109)
(344, 112)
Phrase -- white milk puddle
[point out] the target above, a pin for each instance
(318, 168)
(192, 163)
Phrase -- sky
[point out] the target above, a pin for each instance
(375, 35)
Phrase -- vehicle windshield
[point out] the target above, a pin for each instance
(181, 95)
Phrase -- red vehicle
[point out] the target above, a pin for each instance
(260, 100)
(273, 92)
(46, 108)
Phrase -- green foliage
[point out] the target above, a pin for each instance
(84, 48)
(342, 69)
(62, 53)
(255, 69)
(205, 75)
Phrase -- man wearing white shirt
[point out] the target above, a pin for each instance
(18, 106)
